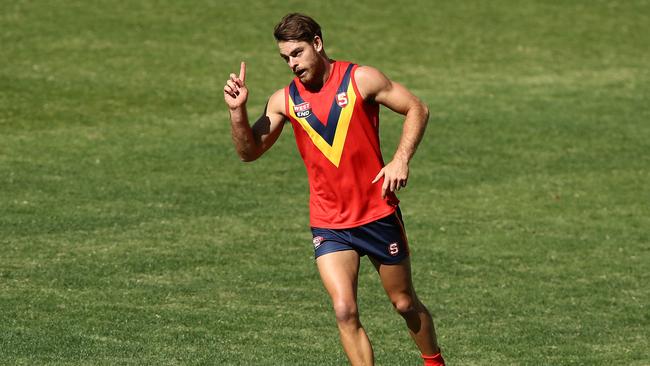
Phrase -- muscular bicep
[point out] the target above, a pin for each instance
(375, 86)
(397, 98)
(268, 127)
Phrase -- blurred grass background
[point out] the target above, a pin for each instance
(130, 232)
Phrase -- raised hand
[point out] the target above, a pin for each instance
(235, 92)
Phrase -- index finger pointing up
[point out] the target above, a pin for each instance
(242, 72)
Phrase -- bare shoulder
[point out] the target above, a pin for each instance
(370, 81)
(276, 102)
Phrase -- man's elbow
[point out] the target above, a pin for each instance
(424, 109)
(248, 156)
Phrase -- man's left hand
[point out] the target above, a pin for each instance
(395, 175)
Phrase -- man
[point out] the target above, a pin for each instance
(333, 107)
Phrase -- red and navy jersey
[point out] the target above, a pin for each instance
(337, 134)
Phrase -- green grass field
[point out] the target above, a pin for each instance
(131, 234)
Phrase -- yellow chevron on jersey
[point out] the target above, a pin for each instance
(330, 138)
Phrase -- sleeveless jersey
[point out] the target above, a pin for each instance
(337, 134)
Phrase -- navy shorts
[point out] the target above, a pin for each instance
(383, 240)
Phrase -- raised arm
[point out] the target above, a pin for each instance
(252, 142)
(373, 85)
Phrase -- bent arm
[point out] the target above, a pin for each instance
(252, 142)
(416, 113)
(375, 86)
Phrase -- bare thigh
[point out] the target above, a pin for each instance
(339, 272)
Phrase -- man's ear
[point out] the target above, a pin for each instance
(318, 43)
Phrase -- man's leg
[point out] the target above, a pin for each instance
(396, 279)
(339, 272)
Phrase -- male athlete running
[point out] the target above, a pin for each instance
(333, 107)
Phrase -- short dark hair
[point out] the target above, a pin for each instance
(297, 27)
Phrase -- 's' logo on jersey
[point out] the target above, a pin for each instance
(302, 110)
(342, 99)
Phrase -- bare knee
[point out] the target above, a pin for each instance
(405, 305)
(346, 312)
